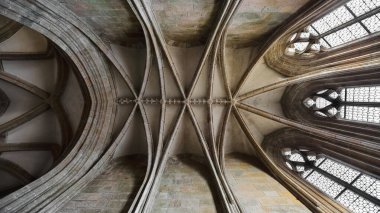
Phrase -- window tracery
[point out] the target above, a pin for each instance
(354, 20)
(360, 104)
(351, 188)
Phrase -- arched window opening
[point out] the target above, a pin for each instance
(361, 104)
(350, 187)
(354, 20)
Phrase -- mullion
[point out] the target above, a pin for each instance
(326, 42)
(321, 162)
(352, 182)
(345, 107)
(359, 21)
(351, 22)
(368, 104)
(368, 113)
(349, 186)
(309, 174)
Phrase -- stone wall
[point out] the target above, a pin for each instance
(113, 20)
(185, 187)
(112, 191)
(256, 190)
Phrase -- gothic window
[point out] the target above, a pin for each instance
(361, 104)
(351, 21)
(350, 187)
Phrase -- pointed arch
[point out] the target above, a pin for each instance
(331, 174)
(314, 40)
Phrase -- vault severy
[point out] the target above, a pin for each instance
(211, 87)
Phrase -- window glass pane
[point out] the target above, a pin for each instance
(361, 113)
(290, 51)
(361, 205)
(306, 173)
(347, 198)
(325, 184)
(372, 23)
(356, 203)
(343, 15)
(345, 107)
(301, 46)
(360, 7)
(362, 94)
(344, 24)
(312, 31)
(374, 189)
(295, 157)
(305, 35)
(321, 26)
(332, 111)
(293, 37)
(342, 112)
(300, 168)
(311, 157)
(320, 114)
(319, 161)
(332, 20)
(333, 95)
(338, 170)
(309, 102)
(321, 103)
(322, 91)
(364, 182)
(356, 191)
(346, 34)
(324, 43)
(334, 39)
(357, 31)
(289, 165)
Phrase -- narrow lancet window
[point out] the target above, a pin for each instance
(353, 189)
(352, 21)
(360, 104)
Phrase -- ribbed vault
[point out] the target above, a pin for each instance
(170, 101)
(36, 131)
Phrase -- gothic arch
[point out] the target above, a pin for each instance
(294, 108)
(352, 55)
(288, 138)
(98, 141)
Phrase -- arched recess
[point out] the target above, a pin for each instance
(293, 105)
(41, 90)
(288, 138)
(91, 152)
(354, 54)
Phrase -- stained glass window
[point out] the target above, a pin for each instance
(350, 187)
(361, 104)
(351, 21)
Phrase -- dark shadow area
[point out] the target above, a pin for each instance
(199, 164)
(139, 162)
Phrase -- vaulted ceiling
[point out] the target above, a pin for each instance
(186, 23)
(163, 77)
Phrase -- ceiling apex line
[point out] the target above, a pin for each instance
(199, 101)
